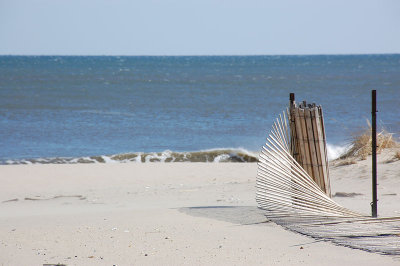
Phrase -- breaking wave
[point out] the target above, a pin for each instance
(210, 156)
(335, 151)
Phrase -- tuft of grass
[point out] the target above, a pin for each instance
(362, 144)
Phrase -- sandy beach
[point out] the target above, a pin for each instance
(170, 214)
(199, 133)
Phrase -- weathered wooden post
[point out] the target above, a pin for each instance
(292, 127)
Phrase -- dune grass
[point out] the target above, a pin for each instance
(361, 145)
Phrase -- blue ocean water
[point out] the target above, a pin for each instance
(76, 106)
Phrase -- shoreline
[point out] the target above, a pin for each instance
(208, 155)
(204, 155)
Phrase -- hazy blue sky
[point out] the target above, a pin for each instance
(203, 27)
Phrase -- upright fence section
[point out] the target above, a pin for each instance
(308, 141)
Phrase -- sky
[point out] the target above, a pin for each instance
(202, 27)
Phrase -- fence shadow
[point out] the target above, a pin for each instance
(243, 215)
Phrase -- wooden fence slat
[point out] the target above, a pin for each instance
(326, 176)
(306, 150)
(317, 140)
(299, 137)
(311, 144)
(323, 153)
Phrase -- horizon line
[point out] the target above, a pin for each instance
(201, 55)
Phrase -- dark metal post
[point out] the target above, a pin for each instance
(374, 203)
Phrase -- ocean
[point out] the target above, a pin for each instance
(68, 109)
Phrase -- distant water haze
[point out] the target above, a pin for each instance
(52, 107)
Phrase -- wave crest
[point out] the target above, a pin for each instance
(335, 151)
(214, 156)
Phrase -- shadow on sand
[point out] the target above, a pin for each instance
(243, 215)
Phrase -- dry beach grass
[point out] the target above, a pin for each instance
(361, 144)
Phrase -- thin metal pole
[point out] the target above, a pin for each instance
(374, 203)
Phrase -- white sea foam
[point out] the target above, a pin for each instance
(138, 159)
(107, 159)
(335, 151)
(161, 157)
(221, 158)
(211, 155)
